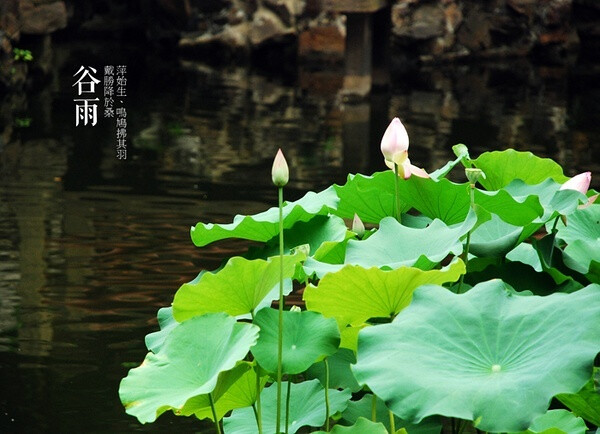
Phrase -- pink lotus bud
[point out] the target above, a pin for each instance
(280, 173)
(358, 226)
(580, 182)
(394, 143)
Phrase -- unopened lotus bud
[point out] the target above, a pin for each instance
(474, 175)
(295, 308)
(280, 173)
(580, 183)
(358, 226)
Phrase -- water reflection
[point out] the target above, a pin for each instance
(91, 247)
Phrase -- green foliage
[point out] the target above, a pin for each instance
(307, 408)
(491, 355)
(23, 55)
(515, 324)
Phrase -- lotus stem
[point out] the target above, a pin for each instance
(214, 412)
(280, 336)
(258, 408)
(466, 252)
(396, 193)
(287, 404)
(326, 394)
(553, 232)
(374, 408)
(392, 422)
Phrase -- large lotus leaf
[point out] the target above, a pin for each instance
(586, 402)
(449, 201)
(307, 408)
(166, 322)
(307, 338)
(395, 245)
(314, 232)
(584, 224)
(354, 294)
(362, 426)
(582, 234)
(188, 364)
(264, 226)
(237, 289)
(494, 237)
(235, 389)
(550, 196)
(363, 408)
(489, 355)
(340, 375)
(370, 197)
(502, 167)
(558, 421)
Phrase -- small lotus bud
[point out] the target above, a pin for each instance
(357, 226)
(280, 173)
(580, 182)
(474, 175)
(295, 308)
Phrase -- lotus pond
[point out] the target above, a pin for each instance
(427, 304)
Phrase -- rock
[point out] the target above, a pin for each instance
(323, 41)
(266, 26)
(287, 10)
(42, 19)
(425, 22)
(474, 34)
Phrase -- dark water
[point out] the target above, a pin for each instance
(91, 246)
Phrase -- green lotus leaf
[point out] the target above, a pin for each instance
(502, 167)
(237, 289)
(307, 408)
(264, 226)
(166, 322)
(314, 232)
(489, 355)
(558, 420)
(582, 235)
(371, 197)
(235, 389)
(354, 294)
(586, 402)
(340, 375)
(584, 224)
(422, 248)
(307, 337)
(362, 426)
(363, 407)
(494, 237)
(188, 364)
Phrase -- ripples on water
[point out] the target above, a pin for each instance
(91, 247)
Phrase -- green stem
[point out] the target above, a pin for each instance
(258, 407)
(326, 394)
(287, 404)
(396, 189)
(392, 422)
(280, 337)
(466, 252)
(214, 412)
(553, 232)
(374, 408)
(257, 410)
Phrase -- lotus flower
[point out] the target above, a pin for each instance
(358, 226)
(394, 147)
(280, 173)
(580, 182)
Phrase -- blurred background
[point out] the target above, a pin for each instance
(91, 246)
